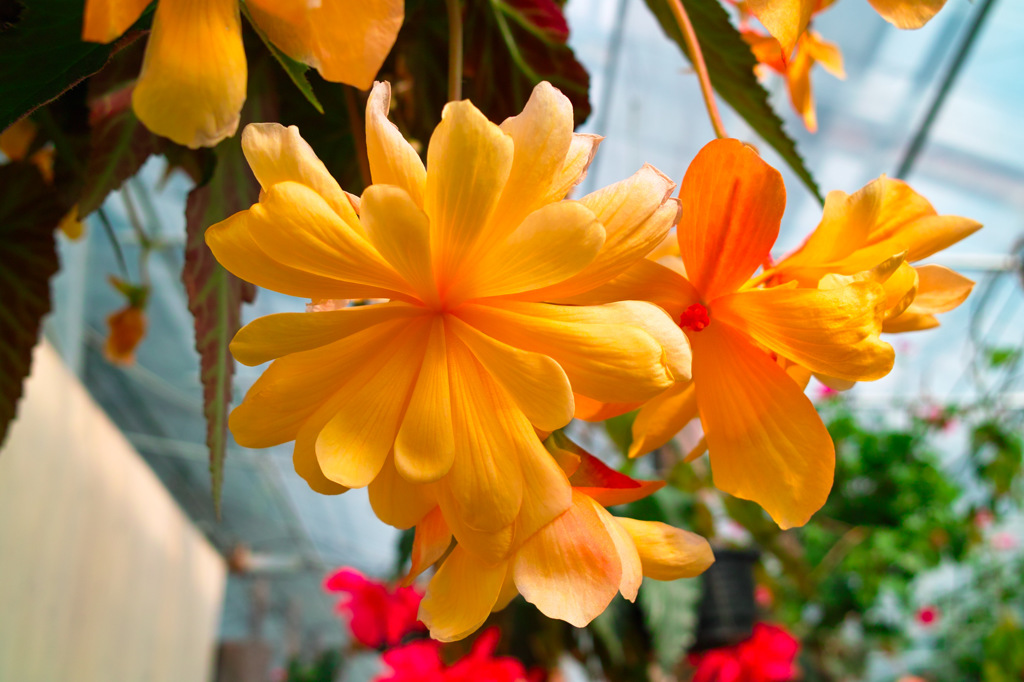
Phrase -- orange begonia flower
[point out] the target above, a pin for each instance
(570, 569)
(764, 437)
(193, 79)
(875, 234)
(432, 397)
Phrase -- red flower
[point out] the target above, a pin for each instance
(421, 662)
(378, 615)
(768, 656)
(927, 615)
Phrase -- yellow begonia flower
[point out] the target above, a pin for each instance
(435, 394)
(570, 569)
(193, 79)
(874, 234)
(787, 20)
(765, 439)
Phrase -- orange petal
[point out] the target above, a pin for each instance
(305, 462)
(784, 19)
(570, 569)
(825, 53)
(393, 161)
(907, 13)
(668, 553)
(900, 290)
(546, 491)
(645, 281)
(192, 83)
(832, 331)
(345, 41)
(590, 410)
(461, 595)
(606, 486)
(400, 232)
(765, 439)
(432, 540)
(798, 77)
(396, 501)
(732, 206)
(632, 568)
(940, 289)
(106, 20)
(662, 417)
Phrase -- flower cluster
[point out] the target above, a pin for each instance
(768, 656)
(378, 616)
(504, 310)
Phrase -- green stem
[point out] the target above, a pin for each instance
(454, 50)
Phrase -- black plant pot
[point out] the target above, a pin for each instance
(727, 608)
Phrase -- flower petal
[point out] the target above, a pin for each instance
(765, 439)
(535, 382)
(233, 246)
(192, 83)
(632, 569)
(662, 417)
(605, 354)
(106, 20)
(345, 41)
(353, 445)
(570, 569)
(425, 446)
(546, 491)
(461, 595)
(668, 553)
(300, 229)
(469, 160)
(552, 244)
(907, 13)
(900, 290)
(927, 236)
(401, 233)
(940, 289)
(304, 454)
(542, 136)
(833, 331)
(431, 541)
(732, 206)
(786, 20)
(590, 410)
(274, 336)
(637, 214)
(393, 161)
(645, 281)
(396, 501)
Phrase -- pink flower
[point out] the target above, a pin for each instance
(421, 661)
(983, 518)
(927, 615)
(378, 615)
(1003, 541)
(768, 656)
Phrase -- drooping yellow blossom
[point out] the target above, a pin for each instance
(432, 397)
(193, 79)
(765, 439)
(571, 568)
(811, 49)
(875, 234)
(786, 20)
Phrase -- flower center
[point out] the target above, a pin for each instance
(695, 318)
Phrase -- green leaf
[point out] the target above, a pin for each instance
(296, 70)
(28, 258)
(731, 69)
(670, 615)
(42, 55)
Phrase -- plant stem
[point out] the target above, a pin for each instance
(454, 50)
(697, 57)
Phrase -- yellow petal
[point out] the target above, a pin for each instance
(546, 491)
(401, 233)
(645, 281)
(431, 541)
(274, 336)
(900, 290)
(825, 53)
(590, 410)
(603, 358)
(352, 447)
(461, 595)
(299, 229)
(668, 553)
(927, 236)
(106, 20)
(485, 482)
(833, 331)
(910, 321)
(71, 225)
(940, 289)
(570, 569)
(469, 160)
(425, 446)
(907, 13)
(535, 382)
(542, 135)
(192, 83)
(393, 161)
(662, 417)
(278, 154)
(784, 19)
(507, 594)
(345, 41)
(552, 244)
(396, 501)
(304, 453)
(765, 439)
(637, 214)
(233, 245)
(632, 568)
(908, 219)
(296, 386)
(798, 77)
